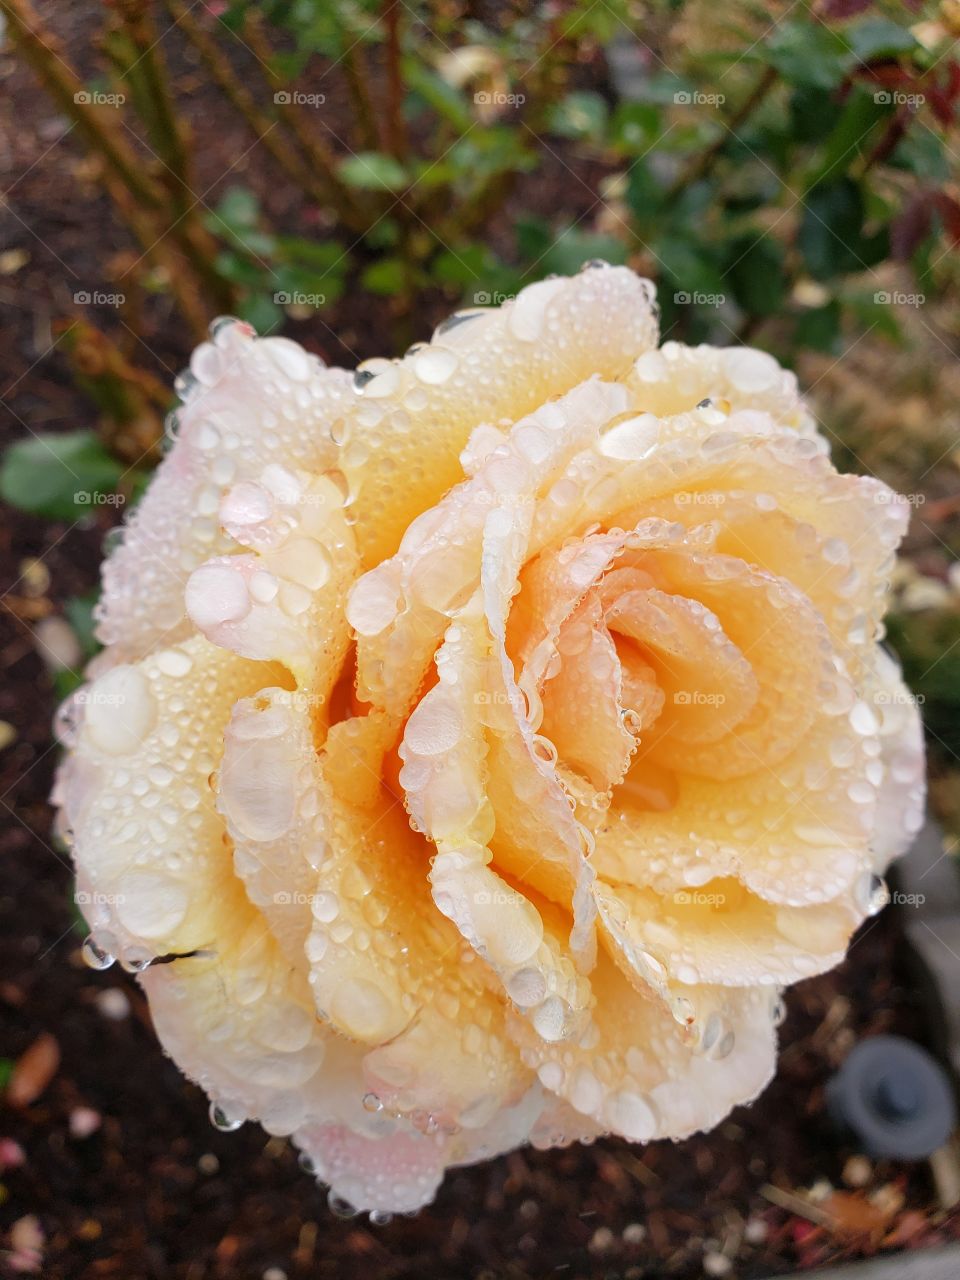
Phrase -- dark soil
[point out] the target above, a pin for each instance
(154, 1192)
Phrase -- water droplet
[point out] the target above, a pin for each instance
(372, 1103)
(871, 893)
(454, 321)
(222, 1120)
(340, 1207)
(380, 1218)
(135, 959)
(96, 956)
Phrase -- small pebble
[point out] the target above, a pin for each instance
(857, 1172)
(274, 1273)
(208, 1163)
(634, 1233)
(8, 734)
(717, 1264)
(755, 1231)
(601, 1241)
(84, 1121)
(12, 1155)
(113, 1003)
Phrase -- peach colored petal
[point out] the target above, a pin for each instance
(248, 401)
(480, 368)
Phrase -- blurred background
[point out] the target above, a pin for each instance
(346, 173)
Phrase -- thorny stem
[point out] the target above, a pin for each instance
(358, 82)
(396, 125)
(245, 103)
(128, 174)
(320, 156)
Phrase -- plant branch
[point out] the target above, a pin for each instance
(703, 163)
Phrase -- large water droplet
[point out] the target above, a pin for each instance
(221, 1119)
(96, 956)
(340, 1207)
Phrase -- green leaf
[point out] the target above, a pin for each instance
(923, 153)
(818, 327)
(756, 274)
(578, 115)
(688, 267)
(239, 208)
(322, 255)
(386, 277)
(831, 236)
(850, 135)
(259, 310)
(79, 611)
(634, 126)
(447, 102)
(878, 37)
(373, 171)
(809, 54)
(644, 193)
(58, 476)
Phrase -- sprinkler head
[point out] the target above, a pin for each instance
(894, 1097)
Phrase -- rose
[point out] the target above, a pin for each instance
(484, 743)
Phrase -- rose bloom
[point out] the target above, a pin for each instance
(483, 740)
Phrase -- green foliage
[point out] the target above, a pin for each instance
(62, 477)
